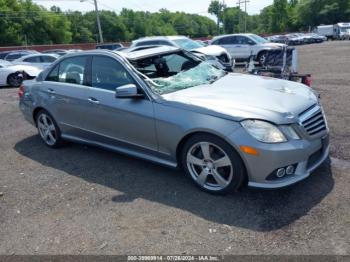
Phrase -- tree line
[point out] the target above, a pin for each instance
(282, 16)
(23, 22)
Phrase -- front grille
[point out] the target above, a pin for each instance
(313, 120)
(224, 58)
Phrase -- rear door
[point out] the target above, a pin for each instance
(124, 122)
(66, 94)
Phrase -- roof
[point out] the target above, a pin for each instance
(148, 52)
(221, 36)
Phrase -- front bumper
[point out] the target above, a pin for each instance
(304, 155)
(228, 65)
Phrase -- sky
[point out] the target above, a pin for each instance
(188, 6)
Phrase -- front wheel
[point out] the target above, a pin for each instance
(48, 129)
(262, 58)
(212, 164)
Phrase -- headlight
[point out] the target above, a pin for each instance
(263, 131)
(290, 132)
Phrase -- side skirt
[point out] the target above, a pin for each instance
(122, 150)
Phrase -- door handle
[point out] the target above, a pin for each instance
(93, 100)
(51, 91)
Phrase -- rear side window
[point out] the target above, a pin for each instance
(53, 76)
(108, 74)
(48, 59)
(34, 59)
(11, 57)
(70, 70)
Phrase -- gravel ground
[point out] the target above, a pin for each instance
(329, 64)
(83, 200)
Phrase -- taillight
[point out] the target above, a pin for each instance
(21, 91)
(307, 81)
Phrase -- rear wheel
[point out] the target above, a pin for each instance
(212, 164)
(14, 79)
(48, 129)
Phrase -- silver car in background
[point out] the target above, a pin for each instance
(168, 106)
(243, 46)
(209, 52)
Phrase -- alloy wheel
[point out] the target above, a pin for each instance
(47, 129)
(210, 166)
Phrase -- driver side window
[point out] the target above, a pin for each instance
(108, 74)
(242, 40)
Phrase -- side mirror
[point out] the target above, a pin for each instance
(127, 91)
(251, 43)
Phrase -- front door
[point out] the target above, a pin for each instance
(235, 46)
(125, 121)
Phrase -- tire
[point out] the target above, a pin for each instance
(48, 130)
(199, 158)
(262, 58)
(14, 79)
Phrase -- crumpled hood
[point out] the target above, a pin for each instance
(213, 50)
(240, 96)
(30, 70)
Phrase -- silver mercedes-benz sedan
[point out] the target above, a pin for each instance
(168, 106)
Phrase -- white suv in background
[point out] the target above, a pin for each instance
(242, 46)
(188, 44)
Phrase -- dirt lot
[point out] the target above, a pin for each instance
(329, 63)
(83, 200)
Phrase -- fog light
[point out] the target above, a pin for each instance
(290, 170)
(281, 172)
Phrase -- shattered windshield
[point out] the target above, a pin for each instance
(171, 72)
(202, 74)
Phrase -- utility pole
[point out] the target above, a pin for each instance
(98, 21)
(245, 2)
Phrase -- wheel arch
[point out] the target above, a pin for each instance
(36, 111)
(185, 138)
(262, 51)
